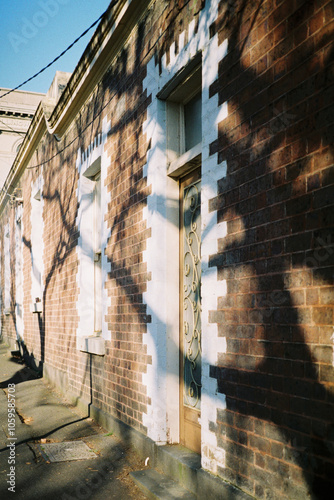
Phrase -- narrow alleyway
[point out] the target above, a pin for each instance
(42, 417)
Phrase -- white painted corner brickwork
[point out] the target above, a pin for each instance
(161, 215)
(6, 249)
(84, 221)
(19, 325)
(212, 288)
(37, 243)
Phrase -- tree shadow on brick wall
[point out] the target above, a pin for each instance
(126, 115)
(269, 389)
(28, 355)
(58, 202)
(265, 392)
(278, 364)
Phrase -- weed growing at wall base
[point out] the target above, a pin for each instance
(30, 27)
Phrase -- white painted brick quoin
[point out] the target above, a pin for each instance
(158, 420)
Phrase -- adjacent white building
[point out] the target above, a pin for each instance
(17, 109)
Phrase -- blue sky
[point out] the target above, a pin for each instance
(34, 32)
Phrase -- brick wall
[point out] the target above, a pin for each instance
(273, 417)
(277, 257)
(115, 384)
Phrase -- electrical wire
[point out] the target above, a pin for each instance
(97, 114)
(60, 55)
(151, 49)
(15, 131)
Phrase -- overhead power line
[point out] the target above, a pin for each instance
(10, 128)
(60, 55)
(113, 95)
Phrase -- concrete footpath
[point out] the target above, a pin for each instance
(30, 468)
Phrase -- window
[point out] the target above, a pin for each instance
(193, 122)
(184, 123)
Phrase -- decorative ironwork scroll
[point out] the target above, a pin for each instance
(192, 294)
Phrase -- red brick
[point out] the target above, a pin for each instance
(316, 22)
(276, 200)
(323, 315)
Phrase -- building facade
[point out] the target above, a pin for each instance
(16, 112)
(170, 257)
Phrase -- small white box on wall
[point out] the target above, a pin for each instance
(37, 307)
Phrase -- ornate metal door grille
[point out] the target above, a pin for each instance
(192, 295)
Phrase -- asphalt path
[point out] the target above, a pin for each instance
(32, 413)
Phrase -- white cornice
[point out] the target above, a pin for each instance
(106, 41)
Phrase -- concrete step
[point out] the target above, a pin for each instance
(176, 473)
(157, 486)
(179, 464)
